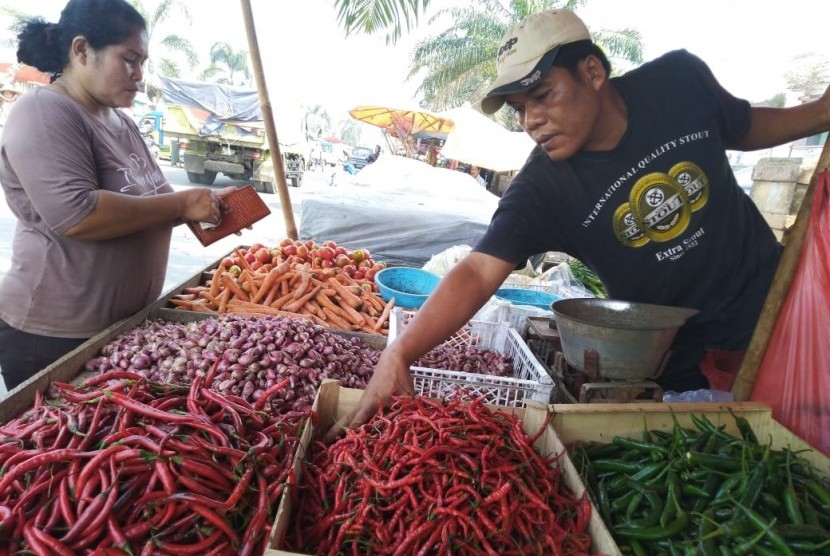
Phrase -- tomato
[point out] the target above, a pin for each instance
(310, 245)
(359, 275)
(342, 260)
(326, 253)
(263, 255)
(370, 273)
(349, 269)
(227, 262)
(250, 257)
(302, 251)
(330, 243)
(289, 250)
(286, 241)
(256, 265)
(326, 263)
(341, 250)
(235, 270)
(276, 252)
(358, 255)
(255, 247)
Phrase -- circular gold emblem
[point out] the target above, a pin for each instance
(660, 206)
(694, 181)
(626, 229)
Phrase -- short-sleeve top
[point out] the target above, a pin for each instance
(660, 218)
(54, 158)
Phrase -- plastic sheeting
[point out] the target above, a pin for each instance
(402, 210)
(476, 139)
(793, 378)
(226, 105)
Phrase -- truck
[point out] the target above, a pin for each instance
(220, 129)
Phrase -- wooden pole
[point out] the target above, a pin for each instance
(268, 118)
(780, 288)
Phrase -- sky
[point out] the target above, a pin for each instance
(307, 60)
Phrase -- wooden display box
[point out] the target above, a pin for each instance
(601, 422)
(333, 402)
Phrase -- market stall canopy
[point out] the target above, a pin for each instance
(403, 123)
(476, 139)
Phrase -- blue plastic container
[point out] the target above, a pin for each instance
(409, 286)
(536, 298)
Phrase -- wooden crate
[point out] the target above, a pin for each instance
(333, 402)
(601, 422)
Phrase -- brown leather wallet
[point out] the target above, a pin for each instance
(244, 207)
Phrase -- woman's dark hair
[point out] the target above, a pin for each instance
(45, 45)
(570, 54)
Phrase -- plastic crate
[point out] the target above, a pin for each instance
(517, 315)
(530, 380)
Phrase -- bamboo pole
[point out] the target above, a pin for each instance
(268, 118)
(780, 288)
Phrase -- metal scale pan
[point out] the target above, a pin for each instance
(617, 341)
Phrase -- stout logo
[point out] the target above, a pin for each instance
(626, 229)
(694, 181)
(660, 206)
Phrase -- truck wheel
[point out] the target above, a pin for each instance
(208, 178)
(296, 182)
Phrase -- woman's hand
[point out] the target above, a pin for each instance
(206, 205)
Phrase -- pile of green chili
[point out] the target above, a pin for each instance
(704, 491)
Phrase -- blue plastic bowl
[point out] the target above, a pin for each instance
(536, 298)
(409, 286)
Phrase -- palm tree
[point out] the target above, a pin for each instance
(317, 121)
(162, 47)
(459, 63)
(372, 16)
(224, 60)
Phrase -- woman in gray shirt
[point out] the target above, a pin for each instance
(95, 213)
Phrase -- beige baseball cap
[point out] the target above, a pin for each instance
(528, 50)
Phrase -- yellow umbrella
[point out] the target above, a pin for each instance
(402, 123)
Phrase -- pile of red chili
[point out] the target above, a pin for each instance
(123, 465)
(425, 477)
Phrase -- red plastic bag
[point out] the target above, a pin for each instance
(794, 376)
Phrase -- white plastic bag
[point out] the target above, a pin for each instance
(563, 282)
(443, 262)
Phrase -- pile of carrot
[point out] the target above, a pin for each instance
(290, 289)
(124, 466)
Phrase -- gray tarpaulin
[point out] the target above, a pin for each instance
(402, 210)
(226, 104)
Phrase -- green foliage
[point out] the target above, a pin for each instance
(372, 16)
(458, 64)
(228, 63)
(166, 48)
(587, 277)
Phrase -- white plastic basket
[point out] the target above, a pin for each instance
(516, 315)
(530, 380)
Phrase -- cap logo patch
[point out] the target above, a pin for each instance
(507, 46)
(532, 79)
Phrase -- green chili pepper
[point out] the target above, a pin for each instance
(762, 525)
(655, 532)
(790, 497)
(744, 428)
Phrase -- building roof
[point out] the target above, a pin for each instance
(24, 73)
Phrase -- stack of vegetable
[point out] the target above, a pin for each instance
(437, 478)
(327, 284)
(251, 354)
(704, 491)
(122, 465)
(587, 278)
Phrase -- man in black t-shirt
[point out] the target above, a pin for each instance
(630, 176)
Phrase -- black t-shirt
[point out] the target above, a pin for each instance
(660, 218)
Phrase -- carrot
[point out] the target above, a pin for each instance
(185, 296)
(234, 287)
(242, 260)
(282, 300)
(301, 288)
(335, 320)
(215, 281)
(272, 276)
(296, 305)
(385, 314)
(224, 297)
(346, 296)
(352, 315)
(201, 308)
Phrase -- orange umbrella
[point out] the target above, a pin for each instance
(402, 123)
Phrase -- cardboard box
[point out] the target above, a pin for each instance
(333, 402)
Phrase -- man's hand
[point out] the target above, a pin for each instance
(391, 377)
